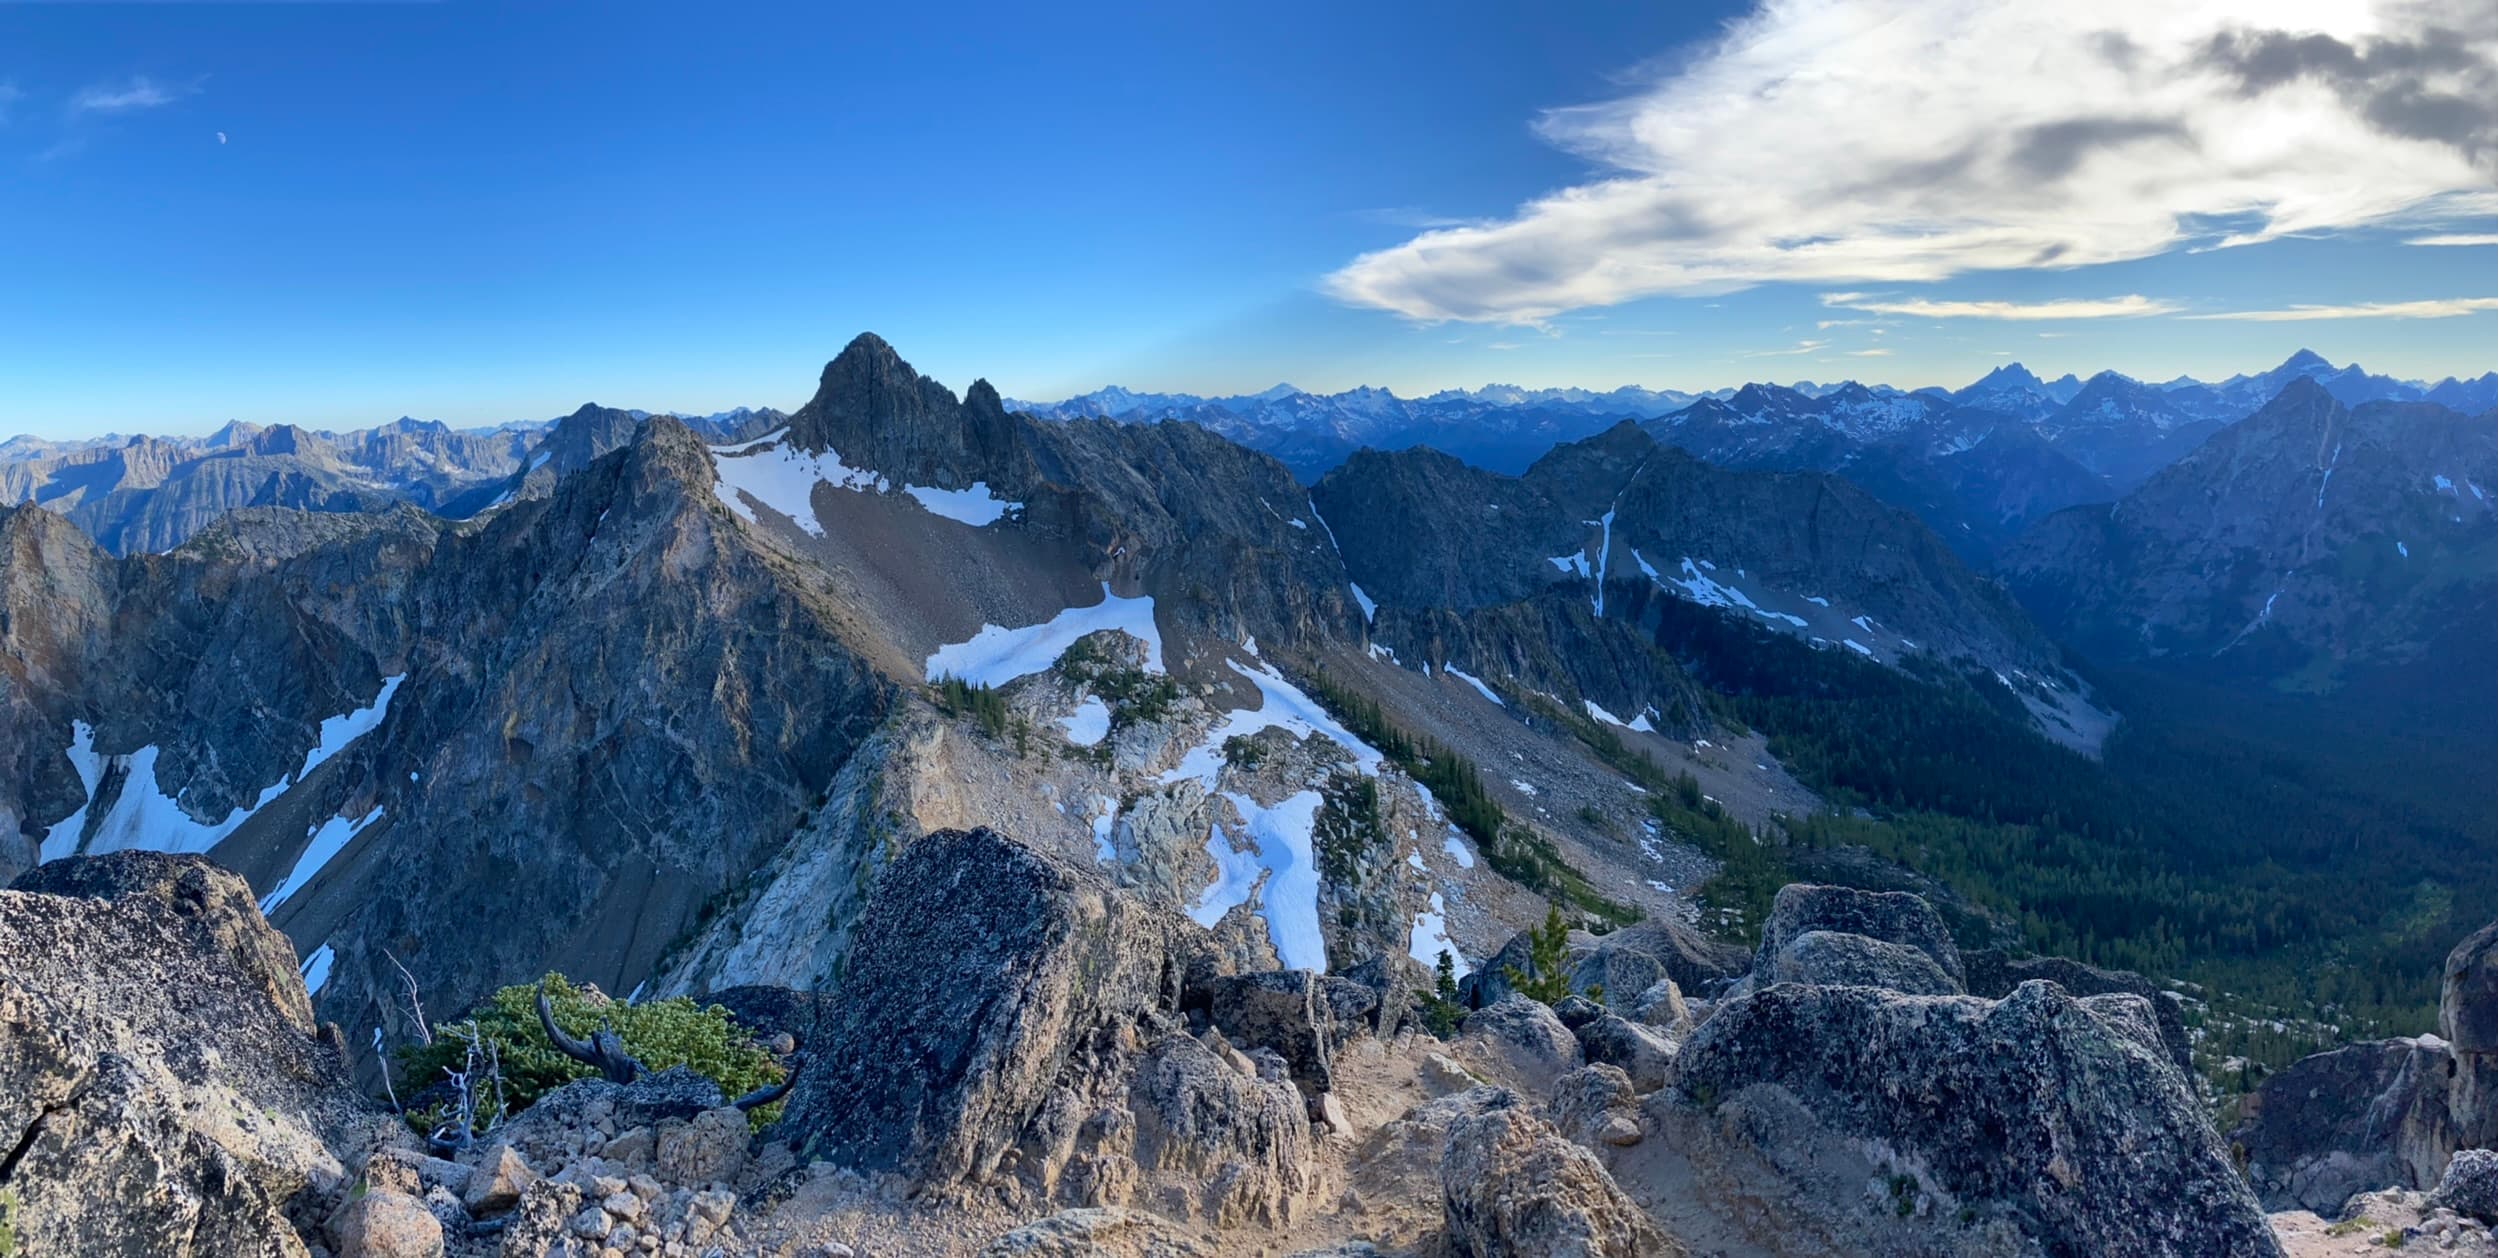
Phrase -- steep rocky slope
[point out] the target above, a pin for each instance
(2311, 536)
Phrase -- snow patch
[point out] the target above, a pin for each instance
(1600, 714)
(1858, 647)
(1088, 724)
(1457, 850)
(1370, 609)
(975, 506)
(1575, 561)
(316, 970)
(1282, 706)
(997, 655)
(1103, 822)
(328, 840)
(1472, 680)
(1429, 938)
(1289, 899)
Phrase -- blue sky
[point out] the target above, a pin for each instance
(336, 214)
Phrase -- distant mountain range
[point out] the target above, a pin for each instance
(142, 494)
(2119, 428)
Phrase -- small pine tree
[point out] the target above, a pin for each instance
(1547, 976)
(1440, 1011)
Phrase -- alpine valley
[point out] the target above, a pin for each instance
(2044, 818)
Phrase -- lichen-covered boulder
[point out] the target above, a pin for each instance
(1834, 958)
(1589, 1101)
(2062, 1115)
(1993, 974)
(1512, 1184)
(1621, 963)
(1523, 1036)
(1894, 917)
(1638, 1051)
(159, 1067)
(984, 970)
(1304, 1016)
(1227, 1148)
(2470, 1185)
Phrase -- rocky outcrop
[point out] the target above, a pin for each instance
(1836, 958)
(2063, 1116)
(161, 1081)
(2467, 1016)
(985, 971)
(2358, 1118)
(1623, 963)
(1511, 1184)
(1523, 1037)
(2383, 1114)
(1225, 1146)
(1640, 1052)
(1993, 974)
(1892, 917)
(1304, 1016)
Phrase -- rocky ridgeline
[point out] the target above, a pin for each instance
(1022, 1059)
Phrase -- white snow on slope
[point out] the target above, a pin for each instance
(1457, 849)
(1429, 938)
(328, 840)
(1572, 562)
(998, 655)
(1472, 680)
(1289, 899)
(1104, 821)
(975, 506)
(1370, 610)
(316, 971)
(1235, 876)
(1088, 724)
(1600, 714)
(784, 477)
(1604, 557)
(145, 818)
(1282, 706)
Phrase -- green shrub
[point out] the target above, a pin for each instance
(1440, 1011)
(956, 697)
(659, 1034)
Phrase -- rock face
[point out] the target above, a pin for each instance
(983, 969)
(1511, 1184)
(1525, 1036)
(2384, 1114)
(148, 1124)
(1836, 958)
(1993, 975)
(2356, 1119)
(1892, 917)
(2467, 1015)
(2062, 1114)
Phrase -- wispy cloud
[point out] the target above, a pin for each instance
(1801, 347)
(2130, 306)
(2454, 241)
(2447, 308)
(1908, 141)
(1869, 353)
(126, 96)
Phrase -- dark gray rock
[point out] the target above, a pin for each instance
(2470, 1185)
(1642, 1054)
(2063, 1115)
(1622, 963)
(1661, 1006)
(1835, 958)
(1890, 916)
(1577, 1011)
(985, 970)
(765, 1011)
(1993, 974)
(1511, 1184)
(1304, 1016)
(2353, 1120)
(2467, 1016)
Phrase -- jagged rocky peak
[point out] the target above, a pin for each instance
(878, 412)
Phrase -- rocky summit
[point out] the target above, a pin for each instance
(910, 824)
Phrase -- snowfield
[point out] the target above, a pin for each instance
(998, 655)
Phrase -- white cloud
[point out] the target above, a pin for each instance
(136, 93)
(1908, 141)
(2448, 308)
(1801, 347)
(2132, 305)
(2453, 241)
(1869, 353)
